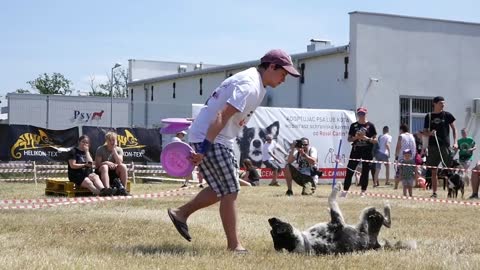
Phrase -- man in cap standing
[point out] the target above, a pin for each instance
(212, 136)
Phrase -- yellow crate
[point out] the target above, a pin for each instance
(64, 187)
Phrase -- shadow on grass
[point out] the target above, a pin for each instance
(165, 249)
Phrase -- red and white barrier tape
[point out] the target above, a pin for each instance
(421, 199)
(411, 165)
(49, 202)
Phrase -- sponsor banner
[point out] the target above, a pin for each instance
(138, 144)
(29, 143)
(267, 173)
(323, 128)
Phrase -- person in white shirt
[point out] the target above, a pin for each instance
(383, 154)
(305, 157)
(270, 160)
(212, 136)
(405, 141)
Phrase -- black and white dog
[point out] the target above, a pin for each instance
(251, 139)
(335, 237)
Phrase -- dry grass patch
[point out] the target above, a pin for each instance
(137, 233)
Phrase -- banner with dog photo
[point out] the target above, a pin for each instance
(323, 128)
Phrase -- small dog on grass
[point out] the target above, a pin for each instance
(335, 236)
(453, 179)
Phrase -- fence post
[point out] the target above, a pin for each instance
(35, 173)
(133, 173)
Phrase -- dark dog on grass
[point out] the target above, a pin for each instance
(453, 179)
(335, 237)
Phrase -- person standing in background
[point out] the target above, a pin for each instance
(383, 154)
(437, 126)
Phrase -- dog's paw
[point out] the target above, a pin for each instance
(386, 205)
(338, 187)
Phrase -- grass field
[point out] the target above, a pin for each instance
(137, 233)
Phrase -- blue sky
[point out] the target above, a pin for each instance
(81, 39)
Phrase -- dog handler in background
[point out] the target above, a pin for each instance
(362, 135)
(437, 126)
(212, 135)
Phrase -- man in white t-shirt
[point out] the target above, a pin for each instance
(212, 135)
(270, 160)
(383, 154)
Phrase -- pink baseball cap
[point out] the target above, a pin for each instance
(362, 110)
(281, 58)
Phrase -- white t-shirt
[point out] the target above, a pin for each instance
(267, 149)
(303, 165)
(407, 142)
(245, 92)
(382, 143)
(176, 139)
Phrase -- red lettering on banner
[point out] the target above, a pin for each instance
(267, 173)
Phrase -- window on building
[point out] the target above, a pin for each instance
(151, 93)
(131, 94)
(413, 110)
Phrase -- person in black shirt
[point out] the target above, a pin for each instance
(80, 168)
(437, 126)
(363, 136)
(251, 173)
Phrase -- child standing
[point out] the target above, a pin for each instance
(407, 172)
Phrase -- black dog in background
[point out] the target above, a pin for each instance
(453, 179)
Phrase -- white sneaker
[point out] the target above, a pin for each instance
(362, 194)
(343, 194)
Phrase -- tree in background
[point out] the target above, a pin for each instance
(119, 83)
(49, 85)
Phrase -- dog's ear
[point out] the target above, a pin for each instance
(274, 129)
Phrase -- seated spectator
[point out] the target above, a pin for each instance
(80, 169)
(109, 165)
(251, 174)
(305, 156)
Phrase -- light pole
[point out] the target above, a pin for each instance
(111, 95)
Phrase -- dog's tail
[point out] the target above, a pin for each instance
(400, 245)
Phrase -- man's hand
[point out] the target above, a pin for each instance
(196, 158)
(455, 146)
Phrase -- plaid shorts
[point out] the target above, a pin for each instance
(220, 169)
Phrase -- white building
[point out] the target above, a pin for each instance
(63, 112)
(394, 65)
